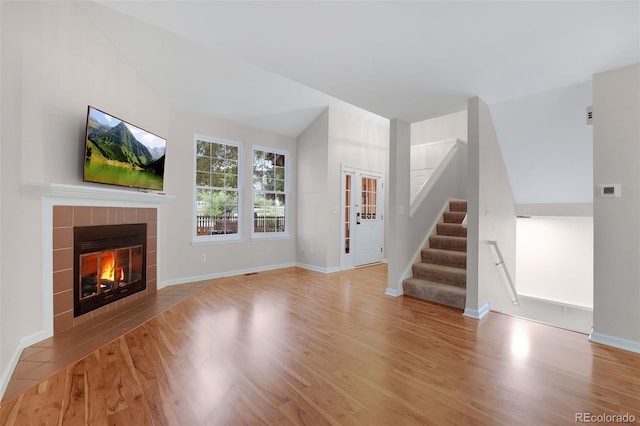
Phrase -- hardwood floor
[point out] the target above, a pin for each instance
(298, 347)
(40, 360)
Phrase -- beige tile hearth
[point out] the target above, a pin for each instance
(48, 356)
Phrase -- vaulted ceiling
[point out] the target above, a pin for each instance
(276, 65)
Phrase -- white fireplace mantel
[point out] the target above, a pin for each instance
(58, 190)
(53, 194)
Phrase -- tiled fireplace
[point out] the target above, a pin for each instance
(134, 276)
(109, 264)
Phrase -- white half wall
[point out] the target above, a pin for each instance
(547, 145)
(563, 209)
(616, 152)
(554, 259)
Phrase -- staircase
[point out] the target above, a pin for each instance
(441, 276)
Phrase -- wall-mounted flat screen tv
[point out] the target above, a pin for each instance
(119, 153)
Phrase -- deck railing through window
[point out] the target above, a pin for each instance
(268, 224)
(215, 225)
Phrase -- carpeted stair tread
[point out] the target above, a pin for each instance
(444, 257)
(447, 242)
(440, 274)
(458, 206)
(435, 292)
(452, 229)
(454, 217)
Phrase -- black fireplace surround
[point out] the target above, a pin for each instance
(109, 264)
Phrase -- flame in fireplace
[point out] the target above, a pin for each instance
(108, 269)
(108, 266)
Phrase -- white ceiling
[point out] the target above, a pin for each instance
(276, 65)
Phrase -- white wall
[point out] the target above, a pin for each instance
(547, 145)
(50, 75)
(562, 209)
(425, 159)
(445, 127)
(431, 140)
(554, 259)
(227, 257)
(313, 155)
(616, 140)
(357, 142)
(491, 211)
(3, 40)
(334, 138)
(55, 63)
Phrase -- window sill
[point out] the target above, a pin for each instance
(271, 236)
(205, 241)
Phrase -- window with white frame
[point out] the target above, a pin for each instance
(270, 191)
(218, 187)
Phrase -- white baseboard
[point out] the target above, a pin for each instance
(478, 313)
(196, 278)
(25, 342)
(8, 372)
(334, 269)
(393, 292)
(320, 269)
(616, 342)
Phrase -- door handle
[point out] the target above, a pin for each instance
(358, 218)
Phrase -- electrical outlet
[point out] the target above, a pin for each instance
(610, 190)
(203, 257)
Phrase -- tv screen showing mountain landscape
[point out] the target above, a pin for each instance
(119, 153)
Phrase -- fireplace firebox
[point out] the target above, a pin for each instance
(109, 264)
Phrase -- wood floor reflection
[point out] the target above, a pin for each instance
(298, 347)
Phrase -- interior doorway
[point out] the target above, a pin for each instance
(362, 226)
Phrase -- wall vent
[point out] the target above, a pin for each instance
(589, 115)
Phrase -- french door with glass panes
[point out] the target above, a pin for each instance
(362, 228)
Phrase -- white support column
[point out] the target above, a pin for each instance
(399, 198)
(473, 308)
